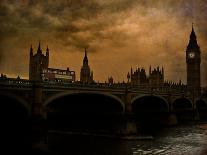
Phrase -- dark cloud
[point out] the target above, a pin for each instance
(134, 32)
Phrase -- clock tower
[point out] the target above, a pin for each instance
(193, 60)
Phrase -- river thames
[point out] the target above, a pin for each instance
(180, 140)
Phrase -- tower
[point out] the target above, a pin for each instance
(156, 77)
(37, 63)
(193, 61)
(86, 76)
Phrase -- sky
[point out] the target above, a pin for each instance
(118, 35)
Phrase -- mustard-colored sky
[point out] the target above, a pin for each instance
(117, 33)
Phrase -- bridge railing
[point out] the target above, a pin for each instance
(121, 86)
(81, 85)
(14, 81)
(116, 86)
(163, 89)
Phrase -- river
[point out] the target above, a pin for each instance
(179, 140)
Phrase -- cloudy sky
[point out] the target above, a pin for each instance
(117, 33)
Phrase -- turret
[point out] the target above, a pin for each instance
(47, 56)
(131, 71)
(91, 79)
(128, 76)
(163, 74)
(47, 51)
(31, 51)
(38, 62)
(86, 76)
(39, 51)
(85, 60)
(30, 62)
(158, 68)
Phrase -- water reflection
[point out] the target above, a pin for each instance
(183, 140)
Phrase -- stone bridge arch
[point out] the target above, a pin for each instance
(183, 108)
(147, 95)
(62, 94)
(80, 111)
(19, 100)
(150, 110)
(201, 106)
(15, 114)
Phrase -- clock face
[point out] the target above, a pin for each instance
(191, 55)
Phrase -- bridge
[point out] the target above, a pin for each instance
(100, 106)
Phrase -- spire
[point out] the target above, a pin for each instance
(128, 76)
(131, 70)
(47, 51)
(47, 48)
(193, 41)
(31, 49)
(39, 48)
(85, 53)
(162, 73)
(158, 68)
(85, 60)
(192, 35)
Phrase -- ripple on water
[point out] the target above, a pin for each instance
(188, 140)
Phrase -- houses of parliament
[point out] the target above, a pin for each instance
(39, 70)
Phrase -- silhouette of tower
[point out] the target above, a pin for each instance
(37, 63)
(193, 60)
(86, 76)
(156, 77)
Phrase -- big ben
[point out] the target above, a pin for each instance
(193, 60)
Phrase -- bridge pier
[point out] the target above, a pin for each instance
(196, 116)
(172, 118)
(37, 103)
(38, 114)
(130, 122)
(130, 125)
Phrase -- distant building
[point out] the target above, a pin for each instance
(52, 74)
(86, 75)
(110, 80)
(139, 77)
(38, 68)
(156, 77)
(3, 76)
(37, 63)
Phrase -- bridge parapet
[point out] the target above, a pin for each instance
(14, 81)
(164, 90)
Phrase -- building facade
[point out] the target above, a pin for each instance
(39, 68)
(58, 75)
(155, 77)
(37, 63)
(86, 75)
